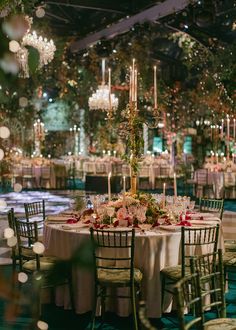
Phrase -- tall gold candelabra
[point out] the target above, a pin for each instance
(133, 111)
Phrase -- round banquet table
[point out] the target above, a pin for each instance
(154, 250)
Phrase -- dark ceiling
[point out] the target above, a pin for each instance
(203, 19)
(89, 22)
(78, 17)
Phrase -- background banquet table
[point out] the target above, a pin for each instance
(218, 184)
(154, 250)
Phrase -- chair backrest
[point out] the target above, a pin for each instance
(89, 167)
(100, 168)
(125, 170)
(17, 170)
(35, 208)
(27, 171)
(229, 179)
(26, 231)
(45, 172)
(11, 219)
(106, 255)
(187, 293)
(164, 171)
(202, 176)
(197, 241)
(116, 168)
(144, 171)
(156, 171)
(212, 205)
(212, 289)
(12, 225)
(60, 170)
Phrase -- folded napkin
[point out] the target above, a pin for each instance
(98, 225)
(155, 224)
(192, 216)
(167, 222)
(184, 223)
(72, 220)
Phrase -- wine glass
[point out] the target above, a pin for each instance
(110, 212)
(191, 205)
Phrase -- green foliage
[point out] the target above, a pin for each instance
(79, 203)
(33, 59)
(16, 6)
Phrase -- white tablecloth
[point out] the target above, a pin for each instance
(154, 250)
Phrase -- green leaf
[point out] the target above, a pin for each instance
(33, 59)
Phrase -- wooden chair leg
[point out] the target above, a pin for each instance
(103, 302)
(133, 303)
(93, 316)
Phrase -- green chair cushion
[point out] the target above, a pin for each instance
(229, 259)
(117, 276)
(230, 247)
(220, 324)
(174, 272)
(46, 263)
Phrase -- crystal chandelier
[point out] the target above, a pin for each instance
(103, 99)
(45, 48)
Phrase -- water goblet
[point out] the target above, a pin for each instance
(110, 212)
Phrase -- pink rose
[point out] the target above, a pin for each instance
(122, 213)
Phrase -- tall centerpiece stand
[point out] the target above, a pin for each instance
(132, 114)
(136, 122)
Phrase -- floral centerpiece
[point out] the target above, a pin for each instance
(129, 210)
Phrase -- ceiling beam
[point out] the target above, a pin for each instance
(65, 4)
(151, 14)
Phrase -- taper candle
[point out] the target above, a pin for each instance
(109, 87)
(124, 184)
(109, 186)
(234, 127)
(130, 84)
(222, 129)
(133, 80)
(155, 87)
(228, 127)
(175, 187)
(135, 84)
(124, 190)
(164, 194)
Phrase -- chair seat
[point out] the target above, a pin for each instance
(118, 277)
(46, 264)
(230, 247)
(229, 259)
(27, 253)
(220, 324)
(174, 272)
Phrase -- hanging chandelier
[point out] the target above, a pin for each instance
(103, 99)
(45, 48)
